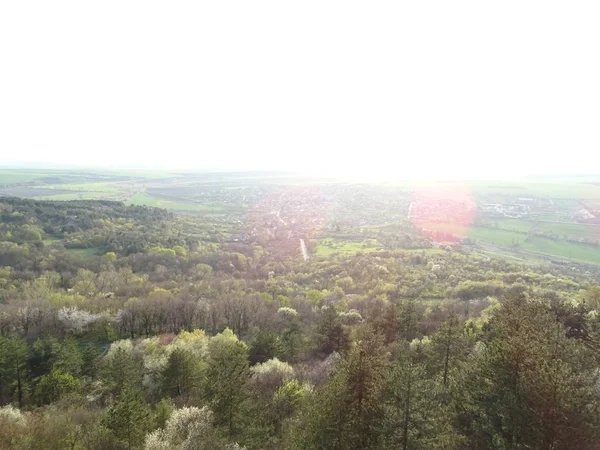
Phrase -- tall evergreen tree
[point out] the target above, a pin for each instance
(14, 375)
(531, 385)
(227, 375)
(449, 346)
(413, 416)
(182, 374)
(344, 414)
(127, 417)
(332, 336)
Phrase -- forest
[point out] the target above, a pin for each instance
(125, 327)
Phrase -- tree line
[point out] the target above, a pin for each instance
(181, 344)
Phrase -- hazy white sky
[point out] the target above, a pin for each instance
(399, 88)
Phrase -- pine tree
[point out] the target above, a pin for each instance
(121, 366)
(182, 374)
(450, 346)
(408, 402)
(127, 417)
(531, 385)
(332, 336)
(227, 375)
(408, 320)
(345, 413)
(14, 376)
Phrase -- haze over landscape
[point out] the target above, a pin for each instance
(313, 226)
(443, 90)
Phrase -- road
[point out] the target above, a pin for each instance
(279, 217)
(304, 251)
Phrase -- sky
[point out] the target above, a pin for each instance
(398, 89)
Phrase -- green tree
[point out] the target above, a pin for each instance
(331, 336)
(450, 346)
(13, 369)
(263, 346)
(408, 320)
(181, 375)
(345, 413)
(49, 354)
(413, 418)
(127, 417)
(531, 385)
(227, 375)
(56, 385)
(162, 412)
(121, 366)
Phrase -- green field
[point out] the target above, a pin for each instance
(101, 186)
(580, 188)
(146, 200)
(498, 237)
(84, 195)
(564, 249)
(520, 240)
(584, 231)
(327, 247)
(11, 177)
(568, 229)
(86, 251)
(570, 188)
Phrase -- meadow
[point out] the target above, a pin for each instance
(517, 240)
(328, 246)
(8, 177)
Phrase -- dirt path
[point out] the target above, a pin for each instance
(279, 217)
(304, 251)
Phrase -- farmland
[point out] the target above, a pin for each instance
(518, 240)
(520, 218)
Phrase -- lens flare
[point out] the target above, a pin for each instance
(285, 218)
(442, 212)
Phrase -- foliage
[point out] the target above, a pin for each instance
(180, 333)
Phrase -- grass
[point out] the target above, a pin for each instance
(548, 188)
(86, 251)
(506, 238)
(568, 229)
(564, 249)
(51, 240)
(83, 195)
(146, 200)
(12, 177)
(584, 231)
(522, 226)
(499, 237)
(428, 251)
(101, 186)
(327, 247)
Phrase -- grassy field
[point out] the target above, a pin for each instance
(520, 240)
(51, 240)
(326, 247)
(584, 231)
(102, 186)
(564, 249)
(86, 251)
(143, 199)
(571, 188)
(8, 176)
(522, 226)
(561, 229)
(83, 195)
